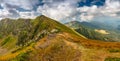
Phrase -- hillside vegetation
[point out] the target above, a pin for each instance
(95, 31)
(44, 39)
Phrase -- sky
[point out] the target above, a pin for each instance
(61, 10)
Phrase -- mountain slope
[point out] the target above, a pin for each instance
(23, 32)
(48, 40)
(94, 31)
(28, 30)
(50, 24)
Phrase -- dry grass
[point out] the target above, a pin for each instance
(67, 47)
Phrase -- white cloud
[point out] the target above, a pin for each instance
(4, 13)
(68, 10)
(84, 17)
(87, 13)
(27, 15)
(25, 4)
(111, 8)
(58, 9)
(10, 8)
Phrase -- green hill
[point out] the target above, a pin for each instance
(94, 31)
(44, 39)
(27, 30)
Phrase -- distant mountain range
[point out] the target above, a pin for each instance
(96, 30)
(45, 39)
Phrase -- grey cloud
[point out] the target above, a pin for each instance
(58, 9)
(25, 4)
(10, 7)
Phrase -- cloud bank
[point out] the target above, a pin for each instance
(60, 9)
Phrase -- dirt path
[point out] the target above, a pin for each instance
(2, 51)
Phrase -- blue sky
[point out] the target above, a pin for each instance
(68, 10)
(91, 2)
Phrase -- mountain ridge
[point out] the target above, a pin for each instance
(88, 29)
(44, 39)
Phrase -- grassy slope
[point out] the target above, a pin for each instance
(9, 42)
(64, 46)
(44, 22)
(49, 23)
(88, 30)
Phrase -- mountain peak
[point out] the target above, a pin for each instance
(42, 16)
